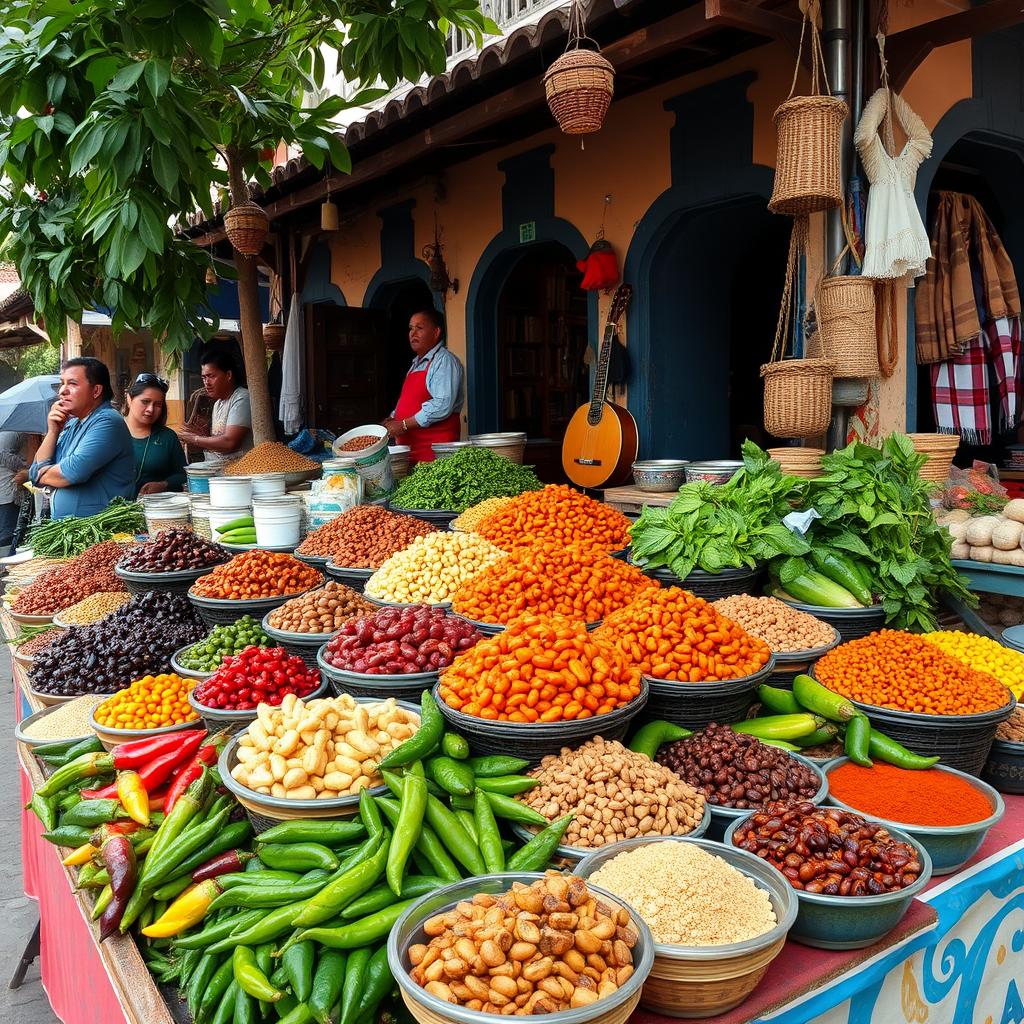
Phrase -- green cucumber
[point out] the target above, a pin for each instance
(237, 524)
(820, 700)
(839, 569)
(812, 588)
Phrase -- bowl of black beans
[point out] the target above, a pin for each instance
(172, 561)
(136, 640)
(738, 774)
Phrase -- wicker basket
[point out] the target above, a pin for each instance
(273, 337)
(940, 450)
(579, 87)
(246, 226)
(797, 397)
(846, 324)
(805, 462)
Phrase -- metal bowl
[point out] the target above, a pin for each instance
(659, 475)
(382, 603)
(188, 673)
(852, 922)
(30, 741)
(221, 718)
(351, 577)
(32, 620)
(715, 471)
(110, 738)
(951, 846)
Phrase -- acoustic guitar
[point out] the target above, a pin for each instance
(600, 442)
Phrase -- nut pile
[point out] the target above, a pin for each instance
(615, 794)
(93, 608)
(271, 457)
(781, 627)
(173, 551)
(365, 537)
(255, 574)
(357, 444)
(151, 702)
(432, 568)
(256, 676)
(478, 513)
(89, 573)
(1012, 729)
(320, 611)
(734, 770)
(30, 648)
(223, 642)
(687, 896)
(541, 948)
(830, 851)
(345, 742)
(399, 641)
(136, 640)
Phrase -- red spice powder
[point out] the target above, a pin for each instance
(928, 797)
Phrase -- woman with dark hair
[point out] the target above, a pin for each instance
(159, 457)
(230, 434)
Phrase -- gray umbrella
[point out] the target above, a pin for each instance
(25, 406)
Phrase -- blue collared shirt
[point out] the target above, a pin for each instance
(95, 456)
(444, 382)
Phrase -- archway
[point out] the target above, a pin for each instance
(397, 301)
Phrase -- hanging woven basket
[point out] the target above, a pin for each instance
(246, 226)
(797, 397)
(273, 337)
(579, 87)
(846, 321)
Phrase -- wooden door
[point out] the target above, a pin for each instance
(345, 347)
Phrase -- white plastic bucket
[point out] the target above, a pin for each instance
(199, 475)
(373, 463)
(268, 484)
(166, 511)
(230, 491)
(222, 516)
(278, 520)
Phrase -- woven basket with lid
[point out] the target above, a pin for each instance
(246, 225)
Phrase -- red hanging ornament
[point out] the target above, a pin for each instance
(600, 269)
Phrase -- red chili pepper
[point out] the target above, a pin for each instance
(222, 864)
(158, 769)
(139, 752)
(106, 793)
(119, 859)
(207, 755)
(156, 800)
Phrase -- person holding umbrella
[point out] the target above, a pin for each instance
(86, 458)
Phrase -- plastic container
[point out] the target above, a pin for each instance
(400, 461)
(222, 516)
(1004, 768)
(852, 922)
(278, 520)
(695, 705)
(199, 511)
(166, 512)
(951, 846)
(266, 485)
(373, 463)
(362, 684)
(229, 492)
(704, 981)
(615, 1008)
(199, 475)
(534, 740)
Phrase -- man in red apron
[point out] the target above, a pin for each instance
(428, 407)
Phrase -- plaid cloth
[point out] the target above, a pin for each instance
(961, 386)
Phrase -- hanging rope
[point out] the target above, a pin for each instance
(797, 247)
(817, 54)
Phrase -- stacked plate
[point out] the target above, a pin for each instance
(940, 449)
(805, 462)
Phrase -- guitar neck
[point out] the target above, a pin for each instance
(601, 377)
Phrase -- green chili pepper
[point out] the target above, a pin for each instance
(363, 932)
(104, 898)
(882, 748)
(300, 1013)
(89, 766)
(407, 830)
(488, 835)
(339, 892)
(355, 975)
(467, 822)
(782, 745)
(86, 873)
(210, 999)
(93, 813)
(89, 746)
(819, 700)
(58, 748)
(265, 962)
(455, 746)
(380, 897)
(327, 983)
(45, 809)
(226, 1006)
(512, 810)
(449, 829)
(220, 930)
(189, 962)
(858, 741)
(452, 776)
(423, 741)
(775, 700)
(245, 1008)
(228, 838)
(377, 983)
(200, 978)
(493, 765)
(266, 877)
(250, 978)
(326, 833)
(534, 856)
(161, 865)
(270, 926)
(297, 856)
(71, 836)
(826, 734)
(298, 967)
(175, 887)
(68, 800)
(370, 814)
(254, 865)
(250, 896)
(428, 845)
(507, 785)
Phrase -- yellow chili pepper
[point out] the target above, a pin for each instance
(133, 796)
(188, 909)
(84, 854)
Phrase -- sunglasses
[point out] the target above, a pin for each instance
(151, 380)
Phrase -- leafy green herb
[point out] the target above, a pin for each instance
(735, 525)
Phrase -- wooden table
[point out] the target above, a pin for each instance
(631, 500)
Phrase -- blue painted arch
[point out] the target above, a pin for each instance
(492, 270)
(387, 278)
(318, 286)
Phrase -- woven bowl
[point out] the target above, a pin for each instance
(949, 847)
(215, 611)
(216, 719)
(266, 811)
(1004, 768)
(704, 981)
(534, 740)
(852, 623)
(852, 922)
(305, 645)
(168, 582)
(110, 738)
(427, 1009)
(709, 585)
(363, 684)
(793, 663)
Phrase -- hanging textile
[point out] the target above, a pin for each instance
(896, 243)
(293, 377)
(946, 308)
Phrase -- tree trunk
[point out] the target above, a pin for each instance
(251, 322)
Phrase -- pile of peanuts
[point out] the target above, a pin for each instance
(255, 574)
(615, 794)
(432, 568)
(319, 750)
(556, 513)
(781, 627)
(669, 633)
(548, 579)
(365, 537)
(541, 948)
(539, 670)
(271, 457)
(94, 607)
(478, 513)
(320, 611)
(1012, 729)
(91, 572)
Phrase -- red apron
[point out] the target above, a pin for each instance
(419, 439)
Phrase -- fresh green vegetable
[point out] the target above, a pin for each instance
(452, 776)
(407, 830)
(488, 837)
(250, 978)
(840, 568)
(820, 700)
(508, 785)
(777, 700)
(826, 734)
(425, 740)
(782, 745)
(241, 523)
(455, 746)
(858, 741)
(380, 897)
(327, 833)
(496, 764)
(534, 856)
(327, 983)
(648, 738)
(779, 727)
(297, 856)
(881, 748)
(298, 968)
(810, 587)
(224, 641)
(70, 536)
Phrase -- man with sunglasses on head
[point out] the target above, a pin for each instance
(159, 457)
(86, 457)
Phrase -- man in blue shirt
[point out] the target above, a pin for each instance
(86, 458)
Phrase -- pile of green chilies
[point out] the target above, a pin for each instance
(70, 536)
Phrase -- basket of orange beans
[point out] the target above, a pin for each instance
(150, 706)
(541, 684)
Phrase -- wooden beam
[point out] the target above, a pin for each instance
(905, 51)
(752, 17)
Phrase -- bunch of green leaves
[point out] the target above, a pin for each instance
(979, 504)
(64, 538)
(874, 505)
(732, 526)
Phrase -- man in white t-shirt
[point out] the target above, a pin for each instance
(231, 423)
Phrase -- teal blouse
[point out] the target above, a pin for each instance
(159, 457)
